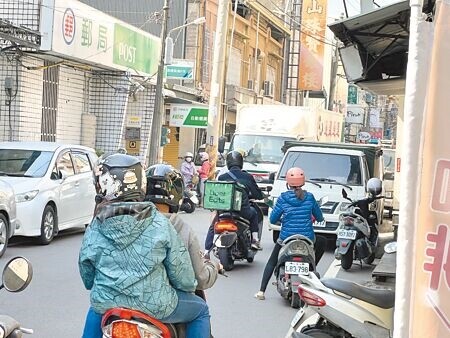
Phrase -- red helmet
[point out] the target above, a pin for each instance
(295, 177)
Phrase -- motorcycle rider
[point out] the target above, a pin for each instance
(235, 162)
(188, 168)
(162, 184)
(294, 208)
(132, 257)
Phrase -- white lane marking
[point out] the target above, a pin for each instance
(333, 269)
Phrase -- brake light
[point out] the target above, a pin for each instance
(310, 298)
(225, 225)
(297, 259)
(349, 220)
(125, 330)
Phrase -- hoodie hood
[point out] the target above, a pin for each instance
(124, 222)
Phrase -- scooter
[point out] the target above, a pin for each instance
(17, 275)
(343, 309)
(357, 233)
(124, 323)
(190, 199)
(296, 258)
(233, 237)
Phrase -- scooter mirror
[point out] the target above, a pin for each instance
(344, 193)
(17, 274)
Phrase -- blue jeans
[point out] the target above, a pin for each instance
(193, 311)
(190, 309)
(92, 326)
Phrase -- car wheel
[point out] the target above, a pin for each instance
(4, 234)
(48, 225)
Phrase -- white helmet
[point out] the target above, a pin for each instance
(188, 154)
(374, 186)
(204, 156)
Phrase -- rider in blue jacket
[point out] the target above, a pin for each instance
(294, 208)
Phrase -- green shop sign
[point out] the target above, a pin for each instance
(188, 116)
(135, 50)
(180, 72)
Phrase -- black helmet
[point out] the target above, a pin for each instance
(120, 177)
(235, 159)
(165, 186)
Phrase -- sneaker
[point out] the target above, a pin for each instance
(256, 245)
(260, 295)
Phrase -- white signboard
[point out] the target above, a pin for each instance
(364, 136)
(375, 118)
(91, 36)
(188, 116)
(355, 114)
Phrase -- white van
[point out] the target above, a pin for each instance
(328, 170)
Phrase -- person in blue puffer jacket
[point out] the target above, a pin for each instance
(294, 208)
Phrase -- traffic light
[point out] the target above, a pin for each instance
(165, 133)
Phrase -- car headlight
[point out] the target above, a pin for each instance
(26, 196)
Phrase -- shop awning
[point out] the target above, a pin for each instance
(375, 44)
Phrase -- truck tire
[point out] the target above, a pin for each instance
(347, 259)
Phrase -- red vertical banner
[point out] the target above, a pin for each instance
(430, 292)
(312, 37)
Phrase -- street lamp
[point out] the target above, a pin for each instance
(166, 55)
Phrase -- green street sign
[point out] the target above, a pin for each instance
(135, 50)
(352, 94)
(188, 116)
(180, 72)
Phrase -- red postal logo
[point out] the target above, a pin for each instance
(68, 26)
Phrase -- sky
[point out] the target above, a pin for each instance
(336, 7)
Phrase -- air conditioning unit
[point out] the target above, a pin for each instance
(269, 89)
(250, 84)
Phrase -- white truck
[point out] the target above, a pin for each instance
(261, 131)
(330, 167)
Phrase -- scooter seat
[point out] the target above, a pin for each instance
(234, 215)
(381, 298)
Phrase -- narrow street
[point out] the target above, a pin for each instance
(55, 303)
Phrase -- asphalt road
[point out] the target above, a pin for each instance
(55, 303)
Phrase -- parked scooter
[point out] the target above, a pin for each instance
(296, 257)
(16, 276)
(344, 309)
(357, 234)
(233, 237)
(190, 199)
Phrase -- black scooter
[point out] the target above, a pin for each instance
(16, 276)
(357, 234)
(233, 238)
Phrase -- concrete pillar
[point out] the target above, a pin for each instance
(398, 151)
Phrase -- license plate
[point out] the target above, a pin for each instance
(296, 268)
(347, 234)
(297, 317)
(320, 224)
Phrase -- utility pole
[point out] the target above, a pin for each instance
(217, 82)
(334, 70)
(159, 111)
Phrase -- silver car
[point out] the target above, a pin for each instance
(7, 214)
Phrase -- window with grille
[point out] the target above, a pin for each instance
(49, 101)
